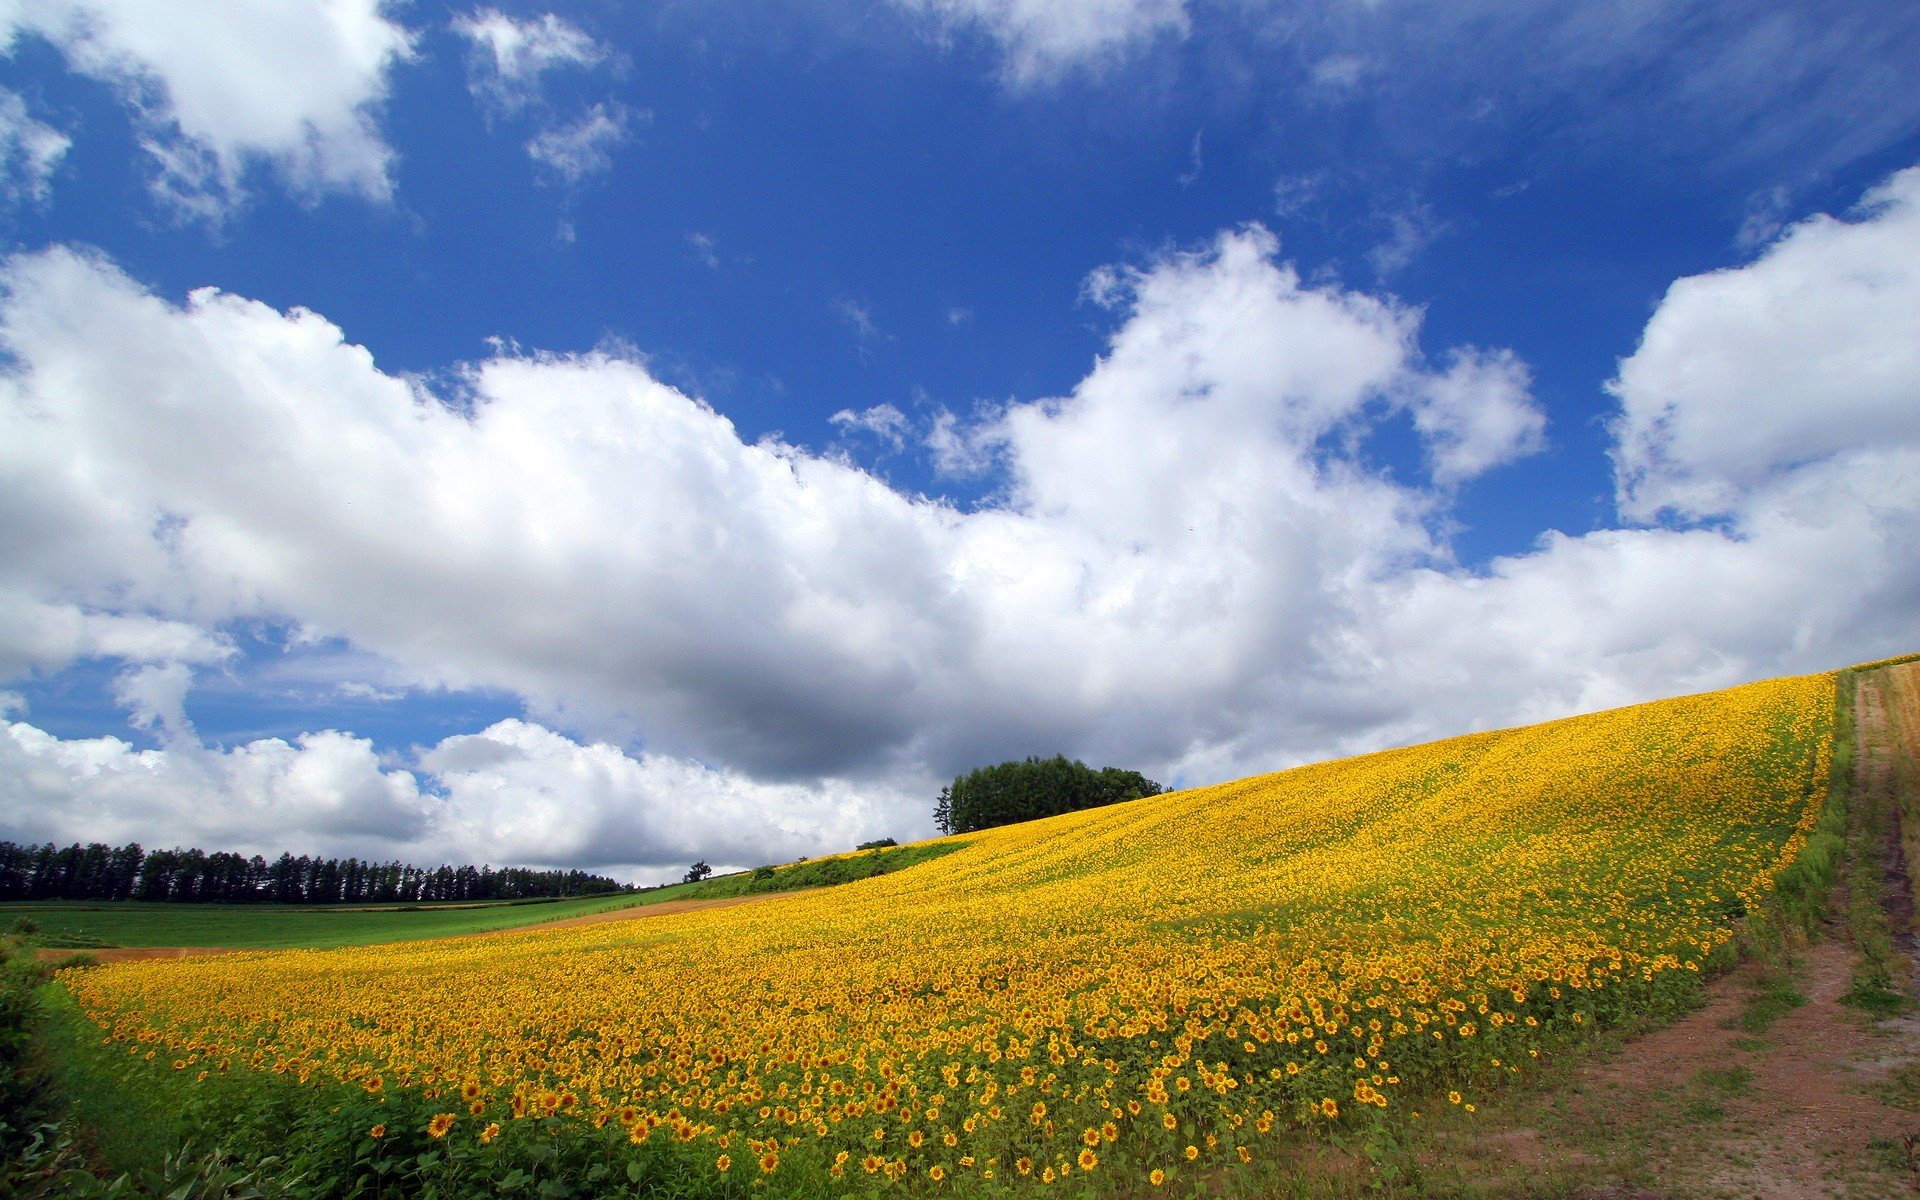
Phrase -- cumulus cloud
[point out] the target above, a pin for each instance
(513, 792)
(221, 85)
(1186, 563)
(324, 792)
(30, 151)
(1041, 39)
(41, 636)
(1745, 375)
(1477, 415)
(518, 790)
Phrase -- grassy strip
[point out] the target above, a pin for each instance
(810, 873)
(1873, 987)
(1902, 699)
(98, 924)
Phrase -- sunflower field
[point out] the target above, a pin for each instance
(1113, 1001)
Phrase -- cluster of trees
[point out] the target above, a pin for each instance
(101, 872)
(1036, 787)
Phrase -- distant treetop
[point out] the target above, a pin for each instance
(1033, 788)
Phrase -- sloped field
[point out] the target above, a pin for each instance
(1150, 988)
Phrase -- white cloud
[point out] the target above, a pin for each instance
(1042, 39)
(1339, 73)
(959, 451)
(1196, 160)
(584, 147)
(514, 792)
(507, 57)
(220, 85)
(324, 792)
(1479, 415)
(883, 421)
(706, 249)
(1809, 353)
(156, 696)
(522, 792)
(1185, 567)
(47, 636)
(1409, 232)
(1294, 194)
(30, 151)
(508, 61)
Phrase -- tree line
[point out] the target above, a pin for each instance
(1037, 787)
(100, 872)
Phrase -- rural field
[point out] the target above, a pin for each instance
(1180, 995)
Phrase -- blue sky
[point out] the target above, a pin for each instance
(613, 434)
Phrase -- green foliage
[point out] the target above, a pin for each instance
(814, 873)
(1035, 787)
(97, 871)
(23, 1089)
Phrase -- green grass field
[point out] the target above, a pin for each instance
(91, 924)
(85, 925)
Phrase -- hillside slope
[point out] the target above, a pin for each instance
(1156, 987)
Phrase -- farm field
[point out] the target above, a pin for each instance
(270, 927)
(1130, 999)
(82, 925)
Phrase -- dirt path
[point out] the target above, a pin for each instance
(638, 911)
(1824, 1101)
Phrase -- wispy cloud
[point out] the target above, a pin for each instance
(508, 62)
(583, 148)
(1041, 40)
(857, 316)
(30, 151)
(705, 248)
(1410, 231)
(507, 58)
(1196, 160)
(882, 421)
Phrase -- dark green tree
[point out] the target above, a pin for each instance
(1032, 788)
